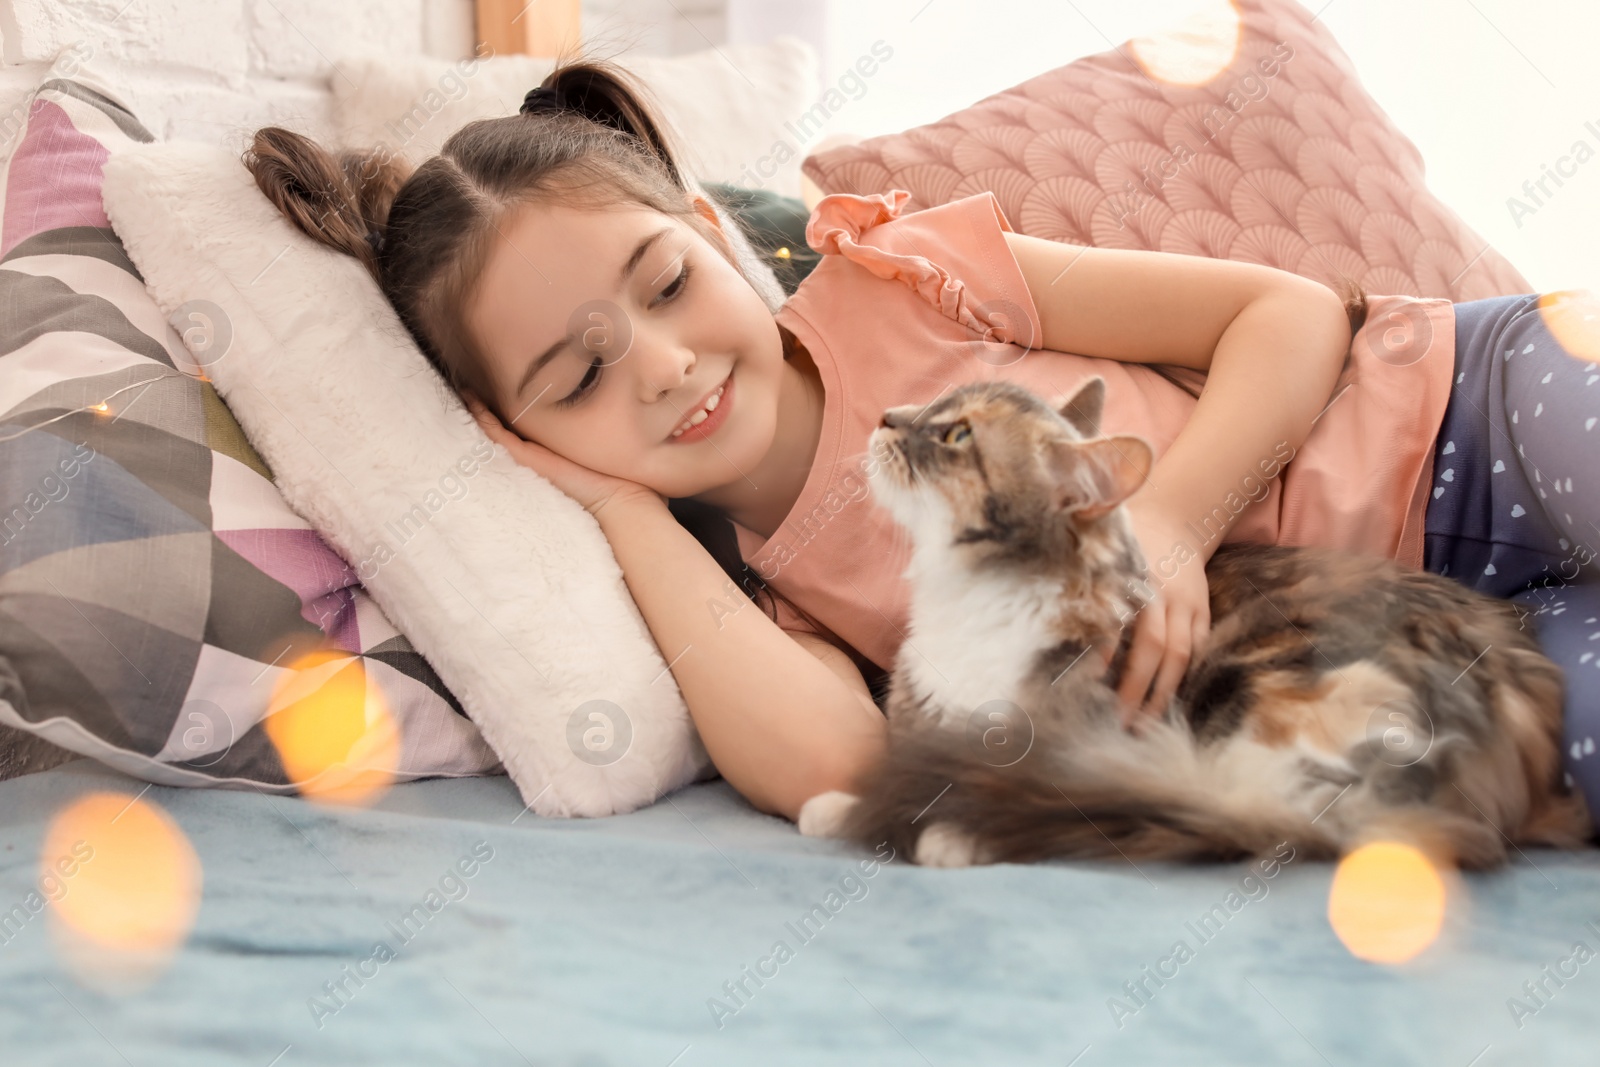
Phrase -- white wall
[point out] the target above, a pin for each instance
(216, 69)
(205, 69)
(1490, 101)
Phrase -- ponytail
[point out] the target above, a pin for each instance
(607, 96)
(337, 201)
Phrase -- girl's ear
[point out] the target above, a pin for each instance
(1093, 477)
(703, 208)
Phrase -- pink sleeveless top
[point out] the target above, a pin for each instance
(903, 308)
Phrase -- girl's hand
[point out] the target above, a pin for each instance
(590, 488)
(1171, 631)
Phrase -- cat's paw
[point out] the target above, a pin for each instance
(942, 845)
(823, 815)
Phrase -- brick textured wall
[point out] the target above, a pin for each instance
(214, 70)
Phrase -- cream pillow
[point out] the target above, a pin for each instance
(727, 107)
(509, 589)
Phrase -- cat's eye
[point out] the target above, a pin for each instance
(957, 433)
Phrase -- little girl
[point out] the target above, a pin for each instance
(556, 270)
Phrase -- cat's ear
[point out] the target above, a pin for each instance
(1093, 477)
(1083, 408)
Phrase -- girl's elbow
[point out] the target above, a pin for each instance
(843, 767)
(1323, 308)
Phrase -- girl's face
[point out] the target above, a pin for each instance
(606, 330)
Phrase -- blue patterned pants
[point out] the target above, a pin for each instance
(1515, 508)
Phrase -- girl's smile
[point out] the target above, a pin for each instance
(621, 338)
(707, 416)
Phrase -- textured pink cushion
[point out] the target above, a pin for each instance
(1282, 159)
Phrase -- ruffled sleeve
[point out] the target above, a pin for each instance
(985, 291)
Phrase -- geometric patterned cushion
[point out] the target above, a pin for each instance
(159, 601)
(1274, 154)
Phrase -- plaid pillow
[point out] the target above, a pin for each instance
(160, 604)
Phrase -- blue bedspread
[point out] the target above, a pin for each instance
(610, 942)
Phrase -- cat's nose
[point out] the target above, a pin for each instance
(892, 418)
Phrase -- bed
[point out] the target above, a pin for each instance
(696, 930)
(609, 941)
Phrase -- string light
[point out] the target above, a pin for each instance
(100, 407)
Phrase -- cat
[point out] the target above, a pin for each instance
(1339, 698)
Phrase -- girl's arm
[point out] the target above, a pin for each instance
(784, 717)
(1273, 344)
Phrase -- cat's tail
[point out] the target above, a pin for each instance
(1098, 802)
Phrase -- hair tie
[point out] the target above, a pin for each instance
(375, 240)
(544, 98)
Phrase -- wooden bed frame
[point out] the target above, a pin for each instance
(529, 27)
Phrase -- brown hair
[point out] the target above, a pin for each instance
(425, 234)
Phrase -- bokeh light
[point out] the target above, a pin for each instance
(1387, 902)
(124, 884)
(333, 730)
(1573, 316)
(1196, 50)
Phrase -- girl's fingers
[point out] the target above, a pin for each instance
(1201, 632)
(482, 415)
(1173, 665)
(490, 422)
(1144, 655)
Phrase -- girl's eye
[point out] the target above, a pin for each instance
(957, 433)
(675, 287)
(591, 377)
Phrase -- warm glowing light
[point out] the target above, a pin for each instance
(124, 885)
(1195, 51)
(783, 253)
(1573, 316)
(332, 729)
(101, 407)
(1386, 903)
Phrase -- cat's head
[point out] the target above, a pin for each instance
(995, 471)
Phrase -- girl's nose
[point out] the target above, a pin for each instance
(663, 368)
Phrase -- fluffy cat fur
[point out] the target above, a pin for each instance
(1340, 698)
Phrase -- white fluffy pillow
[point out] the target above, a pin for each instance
(727, 107)
(510, 589)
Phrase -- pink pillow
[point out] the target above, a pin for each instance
(1281, 158)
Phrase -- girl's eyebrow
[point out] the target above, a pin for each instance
(631, 265)
(639, 253)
